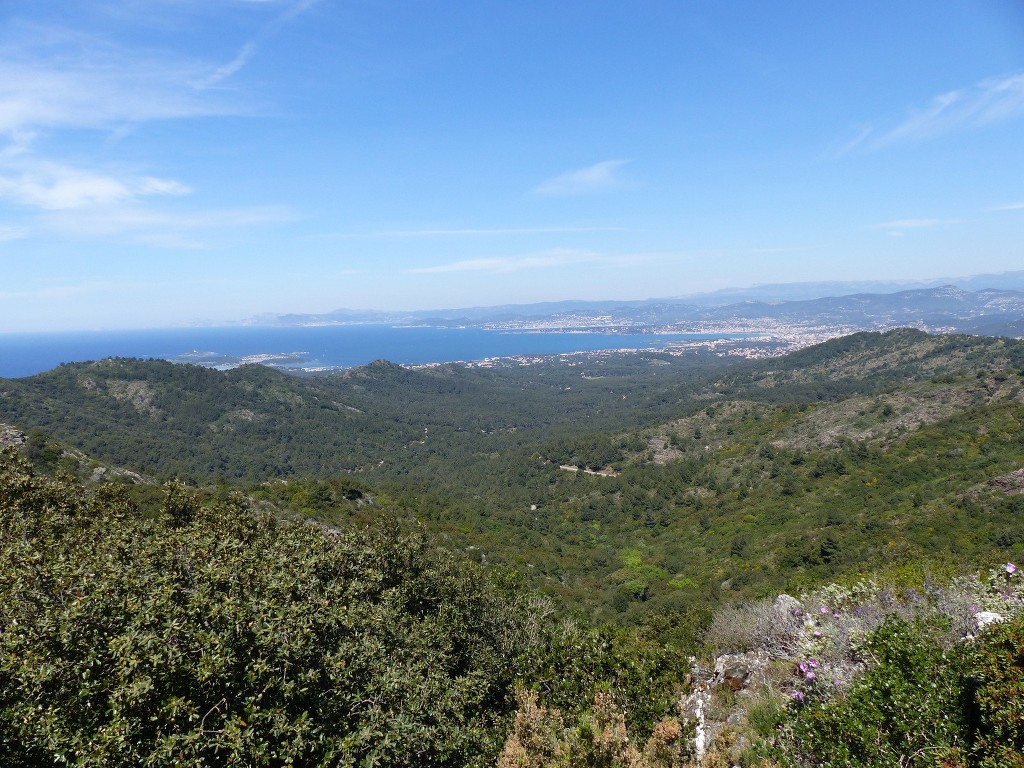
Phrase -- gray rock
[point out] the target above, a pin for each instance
(984, 618)
(788, 604)
(11, 436)
(736, 671)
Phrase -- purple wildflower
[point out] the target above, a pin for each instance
(817, 633)
(812, 663)
(810, 675)
(802, 667)
(797, 696)
(1010, 569)
(824, 610)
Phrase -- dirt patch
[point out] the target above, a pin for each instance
(662, 451)
(1011, 484)
(137, 393)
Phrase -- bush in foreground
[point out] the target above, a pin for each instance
(220, 637)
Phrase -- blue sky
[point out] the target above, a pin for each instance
(168, 162)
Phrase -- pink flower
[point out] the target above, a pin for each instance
(817, 633)
(797, 696)
(802, 667)
(810, 676)
(812, 663)
(835, 615)
(824, 610)
(1011, 569)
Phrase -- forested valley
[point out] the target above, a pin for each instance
(463, 566)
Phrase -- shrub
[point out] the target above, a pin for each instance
(599, 739)
(764, 624)
(998, 693)
(908, 709)
(221, 637)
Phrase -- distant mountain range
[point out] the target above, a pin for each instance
(777, 292)
(984, 304)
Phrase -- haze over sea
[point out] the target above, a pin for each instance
(307, 348)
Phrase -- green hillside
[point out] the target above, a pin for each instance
(351, 568)
(707, 482)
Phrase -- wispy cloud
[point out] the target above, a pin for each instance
(900, 227)
(250, 47)
(52, 186)
(57, 292)
(55, 77)
(8, 233)
(781, 249)
(162, 229)
(88, 83)
(552, 258)
(1008, 207)
(990, 101)
(909, 224)
(57, 80)
(583, 181)
(555, 258)
(480, 232)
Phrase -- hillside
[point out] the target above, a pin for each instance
(256, 423)
(654, 497)
(896, 450)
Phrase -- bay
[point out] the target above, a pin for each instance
(309, 348)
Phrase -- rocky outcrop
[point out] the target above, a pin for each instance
(11, 436)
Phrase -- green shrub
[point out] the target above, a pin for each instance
(220, 637)
(909, 709)
(998, 677)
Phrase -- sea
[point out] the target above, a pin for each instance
(311, 348)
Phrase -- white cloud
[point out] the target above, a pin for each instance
(148, 185)
(482, 232)
(99, 91)
(900, 227)
(52, 77)
(1009, 207)
(56, 292)
(770, 250)
(162, 229)
(55, 80)
(250, 48)
(8, 233)
(909, 224)
(554, 258)
(584, 181)
(990, 101)
(52, 186)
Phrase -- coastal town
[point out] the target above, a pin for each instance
(767, 338)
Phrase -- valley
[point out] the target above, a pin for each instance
(633, 497)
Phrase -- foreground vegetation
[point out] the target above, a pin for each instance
(214, 635)
(217, 635)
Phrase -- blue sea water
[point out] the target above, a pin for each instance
(321, 347)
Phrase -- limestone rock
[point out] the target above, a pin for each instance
(984, 618)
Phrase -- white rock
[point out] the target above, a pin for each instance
(984, 618)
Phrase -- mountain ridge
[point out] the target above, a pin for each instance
(947, 307)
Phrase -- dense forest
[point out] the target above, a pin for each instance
(447, 556)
